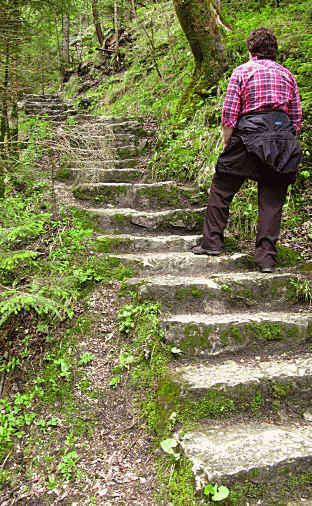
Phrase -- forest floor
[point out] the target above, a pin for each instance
(116, 461)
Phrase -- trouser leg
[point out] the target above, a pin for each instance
(222, 191)
(271, 198)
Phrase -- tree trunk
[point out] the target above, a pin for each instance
(4, 108)
(66, 40)
(199, 20)
(97, 24)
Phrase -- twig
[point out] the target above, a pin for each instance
(2, 382)
(5, 460)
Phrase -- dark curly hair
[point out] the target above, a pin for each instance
(262, 43)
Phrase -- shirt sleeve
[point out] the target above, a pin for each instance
(295, 111)
(232, 103)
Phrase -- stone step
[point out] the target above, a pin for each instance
(38, 97)
(251, 384)
(101, 141)
(100, 164)
(122, 127)
(156, 196)
(108, 119)
(255, 451)
(99, 175)
(121, 220)
(46, 106)
(105, 153)
(51, 113)
(218, 293)
(127, 243)
(180, 263)
(202, 335)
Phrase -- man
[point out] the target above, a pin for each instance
(260, 118)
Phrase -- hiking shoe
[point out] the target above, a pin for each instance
(199, 250)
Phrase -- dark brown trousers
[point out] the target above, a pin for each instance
(271, 197)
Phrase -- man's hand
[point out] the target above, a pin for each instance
(227, 133)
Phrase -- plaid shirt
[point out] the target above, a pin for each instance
(261, 85)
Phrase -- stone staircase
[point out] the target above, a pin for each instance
(244, 375)
(51, 107)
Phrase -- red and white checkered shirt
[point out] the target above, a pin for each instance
(261, 85)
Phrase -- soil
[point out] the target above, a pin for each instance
(117, 462)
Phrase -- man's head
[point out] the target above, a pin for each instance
(262, 43)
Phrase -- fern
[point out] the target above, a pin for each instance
(9, 261)
(15, 302)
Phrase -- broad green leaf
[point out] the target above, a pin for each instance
(220, 493)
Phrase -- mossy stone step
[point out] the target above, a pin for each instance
(218, 293)
(127, 243)
(107, 152)
(129, 220)
(76, 162)
(101, 128)
(258, 452)
(109, 120)
(248, 384)
(39, 97)
(102, 141)
(180, 263)
(97, 175)
(202, 335)
(156, 196)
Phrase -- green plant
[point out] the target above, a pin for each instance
(301, 290)
(217, 492)
(68, 466)
(167, 446)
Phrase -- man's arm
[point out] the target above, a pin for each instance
(227, 133)
(231, 108)
(295, 111)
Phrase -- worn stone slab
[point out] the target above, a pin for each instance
(221, 454)
(100, 164)
(86, 141)
(128, 243)
(180, 262)
(106, 152)
(203, 335)
(227, 375)
(97, 175)
(156, 196)
(121, 220)
(99, 128)
(217, 293)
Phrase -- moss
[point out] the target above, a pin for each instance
(191, 220)
(280, 391)
(232, 334)
(235, 292)
(64, 174)
(181, 484)
(107, 194)
(273, 331)
(213, 405)
(188, 292)
(119, 218)
(289, 486)
(111, 244)
(195, 337)
(287, 257)
(256, 402)
(159, 196)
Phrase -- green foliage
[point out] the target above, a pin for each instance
(301, 290)
(68, 466)
(217, 493)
